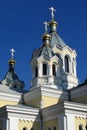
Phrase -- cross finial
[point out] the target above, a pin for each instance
(12, 53)
(52, 11)
(46, 24)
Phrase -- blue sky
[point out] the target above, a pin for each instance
(21, 28)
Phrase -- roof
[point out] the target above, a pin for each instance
(57, 40)
(11, 90)
(45, 50)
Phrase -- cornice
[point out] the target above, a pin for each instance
(10, 97)
(78, 91)
(53, 92)
(20, 112)
(75, 108)
(45, 91)
(64, 108)
(52, 112)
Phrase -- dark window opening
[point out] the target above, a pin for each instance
(24, 128)
(54, 70)
(67, 64)
(44, 69)
(80, 127)
(36, 71)
(32, 129)
(54, 128)
(15, 86)
(49, 128)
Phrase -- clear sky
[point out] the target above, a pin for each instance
(21, 28)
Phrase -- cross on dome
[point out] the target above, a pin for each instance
(46, 24)
(52, 11)
(12, 53)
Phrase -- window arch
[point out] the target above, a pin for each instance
(24, 128)
(32, 129)
(44, 69)
(36, 71)
(86, 127)
(80, 127)
(54, 69)
(67, 64)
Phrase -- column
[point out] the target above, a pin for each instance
(70, 122)
(13, 123)
(50, 70)
(39, 70)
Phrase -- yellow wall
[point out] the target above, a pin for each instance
(50, 124)
(82, 99)
(80, 121)
(5, 102)
(28, 124)
(34, 102)
(48, 101)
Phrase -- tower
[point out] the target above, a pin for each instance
(54, 63)
(53, 69)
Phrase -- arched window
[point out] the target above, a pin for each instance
(36, 71)
(24, 128)
(80, 127)
(67, 64)
(54, 69)
(32, 129)
(44, 69)
(54, 128)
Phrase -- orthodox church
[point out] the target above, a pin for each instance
(55, 100)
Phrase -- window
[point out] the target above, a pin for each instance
(54, 70)
(32, 129)
(36, 71)
(44, 69)
(24, 128)
(67, 64)
(54, 128)
(80, 127)
(15, 86)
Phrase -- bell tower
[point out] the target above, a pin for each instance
(53, 69)
(46, 66)
(54, 63)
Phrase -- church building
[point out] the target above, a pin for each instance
(55, 100)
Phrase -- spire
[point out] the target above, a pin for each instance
(11, 79)
(52, 24)
(46, 36)
(12, 62)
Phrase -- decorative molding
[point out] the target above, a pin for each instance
(78, 91)
(28, 113)
(65, 108)
(45, 91)
(10, 97)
